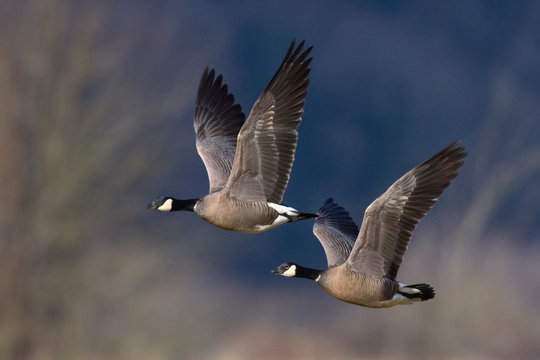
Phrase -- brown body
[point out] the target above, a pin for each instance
(229, 213)
(357, 288)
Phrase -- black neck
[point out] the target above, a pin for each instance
(183, 205)
(307, 273)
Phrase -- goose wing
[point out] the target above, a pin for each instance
(267, 141)
(217, 122)
(391, 219)
(336, 232)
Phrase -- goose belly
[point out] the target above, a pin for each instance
(240, 216)
(363, 290)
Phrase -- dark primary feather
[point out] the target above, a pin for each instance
(336, 232)
(391, 219)
(267, 141)
(217, 122)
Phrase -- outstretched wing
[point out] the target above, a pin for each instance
(336, 232)
(217, 122)
(391, 219)
(267, 141)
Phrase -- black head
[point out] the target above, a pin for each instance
(287, 269)
(167, 203)
(163, 203)
(290, 269)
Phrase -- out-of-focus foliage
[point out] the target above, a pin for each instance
(95, 120)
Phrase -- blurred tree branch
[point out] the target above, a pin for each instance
(79, 108)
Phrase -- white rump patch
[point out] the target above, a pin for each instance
(281, 219)
(284, 209)
(166, 206)
(397, 299)
(408, 290)
(290, 272)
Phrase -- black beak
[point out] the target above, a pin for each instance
(151, 205)
(276, 271)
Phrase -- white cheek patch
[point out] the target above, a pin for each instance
(166, 206)
(290, 272)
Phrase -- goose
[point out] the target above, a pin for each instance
(248, 161)
(363, 272)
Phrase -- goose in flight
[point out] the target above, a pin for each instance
(363, 272)
(248, 161)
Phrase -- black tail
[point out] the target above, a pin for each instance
(303, 216)
(425, 292)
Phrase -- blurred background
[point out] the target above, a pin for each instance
(96, 102)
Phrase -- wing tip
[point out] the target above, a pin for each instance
(334, 215)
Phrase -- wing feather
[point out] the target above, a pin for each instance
(336, 232)
(390, 220)
(217, 122)
(267, 141)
